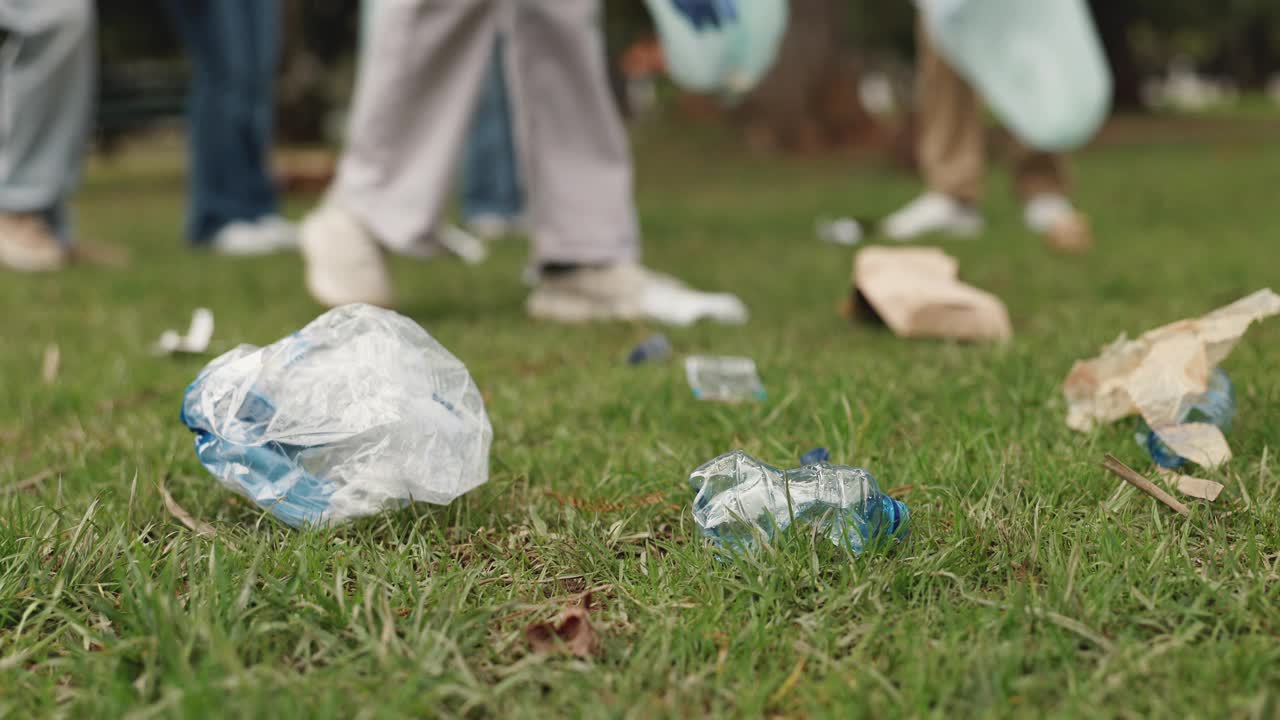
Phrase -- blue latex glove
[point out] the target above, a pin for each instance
(707, 13)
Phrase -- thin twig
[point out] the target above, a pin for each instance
(29, 482)
(1131, 476)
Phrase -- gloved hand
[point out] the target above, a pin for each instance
(707, 13)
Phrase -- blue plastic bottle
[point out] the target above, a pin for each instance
(742, 501)
(1216, 406)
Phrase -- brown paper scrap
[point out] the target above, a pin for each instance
(1154, 373)
(1193, 486)
(916, 291)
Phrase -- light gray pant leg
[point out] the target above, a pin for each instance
(418, 82)
(417, 87)
(47, 83)
(573, 147)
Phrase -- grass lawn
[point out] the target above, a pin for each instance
(1029, 585)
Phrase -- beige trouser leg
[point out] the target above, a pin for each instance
(950, 144)
(419, 81)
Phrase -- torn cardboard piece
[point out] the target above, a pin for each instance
(1154, 374)
(917, 293)
(195, 341)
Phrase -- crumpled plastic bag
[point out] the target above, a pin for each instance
(1038, 63)
(359, 411)
(731, 58)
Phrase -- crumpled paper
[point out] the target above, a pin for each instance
(195, 341)
(1155, 375)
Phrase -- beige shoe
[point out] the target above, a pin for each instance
(27, 244)
(345, 263)
(629, 292)
(1064, 228)
(1070, 234)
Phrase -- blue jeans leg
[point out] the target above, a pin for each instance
(490, 173)
(234, 49)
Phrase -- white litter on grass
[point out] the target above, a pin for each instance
(841, 231)
(724, 379)
(49, 366)
(469, 248)
(195, 341)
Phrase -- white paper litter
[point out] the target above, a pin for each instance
(195, 341)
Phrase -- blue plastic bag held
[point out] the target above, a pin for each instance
(728, 57)
(1037, 63)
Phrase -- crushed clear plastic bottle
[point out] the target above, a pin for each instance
(741, 501)
(1216, 406)
(724, 378)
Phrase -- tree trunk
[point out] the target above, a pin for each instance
(1114, 19)
(809, 100)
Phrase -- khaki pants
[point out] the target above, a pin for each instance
(950, 142)
(420, 77)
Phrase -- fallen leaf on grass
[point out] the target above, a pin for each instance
(198, 527)
(573, 634)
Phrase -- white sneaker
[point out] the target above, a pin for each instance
(282, 232)
(930, 213)
(488, 226)
(27, 244)
(629, 292)
(345, 263)
(246, 238)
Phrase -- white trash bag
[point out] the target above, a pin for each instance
(359, 411)
(729, 59)
(1037, 63)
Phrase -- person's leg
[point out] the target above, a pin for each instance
(260, 20)
(949, 149)
(420, 71)
(491, 196)
(1041, 181)
(47, 80)
(573, 147)
(577, 166)
(415, 91)
(232, 44)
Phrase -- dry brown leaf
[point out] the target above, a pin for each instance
(199, 527)
(52, 361)
(572, 634)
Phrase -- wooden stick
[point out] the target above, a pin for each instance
(1131, 476)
